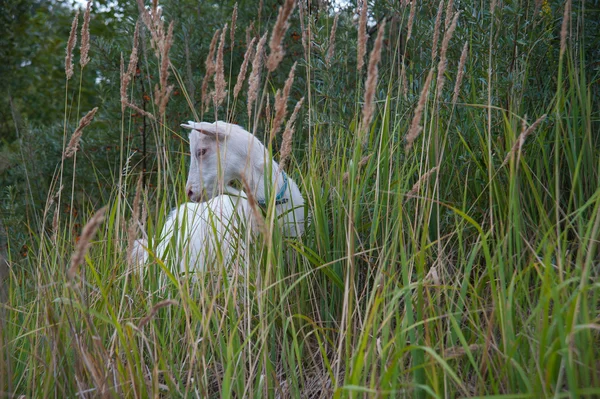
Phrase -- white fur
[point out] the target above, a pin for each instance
(198, 234)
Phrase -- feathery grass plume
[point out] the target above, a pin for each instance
(87, 235)
(362, 36)
(516, 148)
(281, 99)
(411, 19)
(70, 46)
(404, 80)
(162, 96)
(461, 72)
(244, 68)
(135, 220)
(415, 126)
(331, 49)
(436, 31)
(302, 12)
(281, 26)
(233, 22)
(85, 36)
(286, 146)
(565, 27)
(137, 109)
(423, 179)
(371, 84)
(210, 66)
(73, 145)
(220, 83)
(443, 64)
(449, 14)
(133, 57)
(254, 79)
(155, 309)
(363, 161)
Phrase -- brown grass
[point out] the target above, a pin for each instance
(85, 36)
(244, 68)
(516, 148)
(220, 83)
(286, 147)
(371, 84)
(362, 36)
(210, 67)
(415, 126)
(70, 46)
(331, 49)
(73, 145)
(436, 31)
(443, 64)
(565, 27)
(281, 26)
(281, 99)
(87, 235)
(254, 79)
(461, 72)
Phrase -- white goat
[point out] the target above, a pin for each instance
(197, 233)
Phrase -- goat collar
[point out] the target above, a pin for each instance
(280, 198)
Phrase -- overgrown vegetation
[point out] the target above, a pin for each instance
(453, 191)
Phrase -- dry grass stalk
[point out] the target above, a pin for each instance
(281, 99)
(449, 14)
(371, 84)
(286, 147)
(411, 19)
(233, 22)
(565, 27)
(244, 68)
(459, 351)
(73, 145)
(210, 66)
(155, 309)
(70, 46)
(443, 64)
(331, 49)
(56, 214)
(415, 126)
(363, 161)
(436, 31)
(461, 72)
(85, 36)
(254, 79)
(87, 235)
(135, 221)
(281, 26)
(516, 148)
(362, 36)
(422, 180)
(258, 218)
(220, 83)
(139, 110)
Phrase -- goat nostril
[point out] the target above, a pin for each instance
(190, 193)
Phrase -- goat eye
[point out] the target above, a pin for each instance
(201, 152)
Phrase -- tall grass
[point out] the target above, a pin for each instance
(429, 268)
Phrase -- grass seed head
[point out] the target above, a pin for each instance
(415, 126)
(73, 145)
(281, 26)
(87, 235)
(70, 46)
(220, 83)
(244, 68)
(85, 36)
(362, 36)
(371, 84)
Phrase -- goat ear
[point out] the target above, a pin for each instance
(209, 129)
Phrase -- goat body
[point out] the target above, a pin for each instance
(197, 234)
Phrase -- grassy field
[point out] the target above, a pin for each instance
(452, 248)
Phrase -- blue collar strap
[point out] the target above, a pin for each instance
(279, 199)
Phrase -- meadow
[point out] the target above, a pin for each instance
(449, 156)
